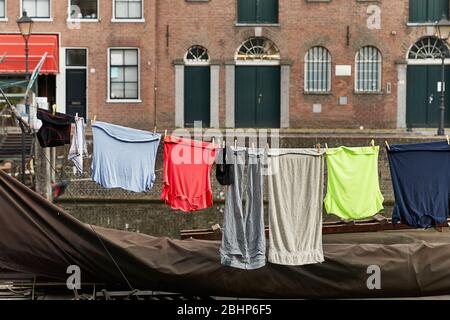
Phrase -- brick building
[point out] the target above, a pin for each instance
(235, 63)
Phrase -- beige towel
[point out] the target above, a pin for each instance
(295, 206)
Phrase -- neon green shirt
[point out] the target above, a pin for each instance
(353, 190)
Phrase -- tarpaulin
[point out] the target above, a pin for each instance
(39, 44)
(38, 238)
(421, 180)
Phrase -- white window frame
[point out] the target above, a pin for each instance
(380, 73)
(132, 20)
(5, 18)
(108, 93)
(329, 67)
(49, 19)
(69, 19)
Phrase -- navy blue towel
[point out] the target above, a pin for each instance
(421, 180)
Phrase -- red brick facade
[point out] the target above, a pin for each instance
(172, 26)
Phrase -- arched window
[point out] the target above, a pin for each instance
(197, 55)
(427, 48)
(368, 70)
(258, 49)
(318, 70)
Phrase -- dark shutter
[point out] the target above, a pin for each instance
(418, 10)
(436, 8)
(267, 11)
(246, 11)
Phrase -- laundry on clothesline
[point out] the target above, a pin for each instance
(421, 180)
(353, 190)
(124, 157)
(296, 183)
(55, 129)
(186, 173)
(244, 240)
(78, 148)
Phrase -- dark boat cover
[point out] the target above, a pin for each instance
(38, 238)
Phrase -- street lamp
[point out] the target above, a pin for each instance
(25, 24)
(442, 31)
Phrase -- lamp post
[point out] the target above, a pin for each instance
(442, 31)
(25, 25)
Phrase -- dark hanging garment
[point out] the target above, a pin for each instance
(421, 180)
(224, 171)
(55, 130)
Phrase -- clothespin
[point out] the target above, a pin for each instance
(235, 143)
(372, 143)
(267, 146)
(54, 109)
(224, 144)
(318, 148)
(76, 116)
(387, 145)
(154, 130)
(253, 146)
(165, 133)
(326, 146)
(448, 140)
(213, 141)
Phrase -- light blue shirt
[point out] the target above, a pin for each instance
(124, 157)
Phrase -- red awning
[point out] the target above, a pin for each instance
(39, 44)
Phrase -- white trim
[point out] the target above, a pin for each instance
(128, 20)
(49, 19)
(426, 62)
(6, 12)
(114, 19)
(69, 19)
(108, 93)
(257, 63)
(420, 24)
(123, 101)
(237, 24)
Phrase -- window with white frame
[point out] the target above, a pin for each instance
(36, 8)
(318, 70)
(368, 70)
(123, 74)
(84, 9)
(128, 9)
(2, 9)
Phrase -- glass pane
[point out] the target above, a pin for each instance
(116, 74)
(29, 6)
(117, 90)
(43, 8)
(135, 10)
(85, 9)
(117, 57)
(131, 74)
(76, 57)
(2, 8)
(131, 90)
(121, 9)
(131, 57)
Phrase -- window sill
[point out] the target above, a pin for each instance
(377, 93)
(312, 93)
(420, 24)
(3, 19)
(123, 100)
(238, 24)
(83, 20)
(128, 20)
(42, 19)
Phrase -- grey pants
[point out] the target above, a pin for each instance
(244, 241)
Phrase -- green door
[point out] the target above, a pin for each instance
(257, 102)
(423, 97)
(197, 93)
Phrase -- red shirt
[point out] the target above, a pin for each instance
(187, 168)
